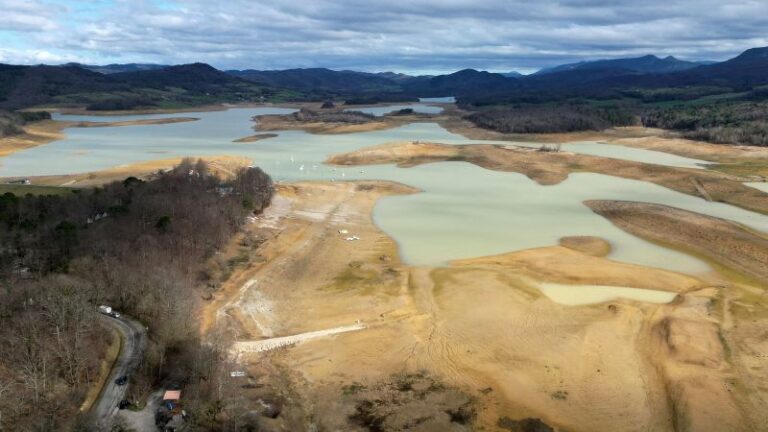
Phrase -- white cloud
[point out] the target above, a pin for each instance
(438, 35)
(27, 16)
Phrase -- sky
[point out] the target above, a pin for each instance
(410, 36)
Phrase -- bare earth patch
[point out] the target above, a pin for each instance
(548, 168)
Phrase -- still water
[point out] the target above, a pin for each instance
(464, 211)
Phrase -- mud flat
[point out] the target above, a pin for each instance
(142, 122)
(550, 167)
(222, 165)
(362, 124)
(718, 240)
(287, 122)
(483, 326)
(47, 131)
(35, 134)
(254, 138)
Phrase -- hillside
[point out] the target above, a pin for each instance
(184, 85)
(22, 86)
(462, 83)
(645, 64)
(116, 68)
(320, 82)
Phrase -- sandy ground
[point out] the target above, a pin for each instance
(281, 122)
(699, 363)
(288, 122)
(35, 134)
(222, 165)
(481, 325)
(548, 168)
(254, 138)
(143, 122)
(47, 131)
(718, 240)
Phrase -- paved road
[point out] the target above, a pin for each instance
(134, 343)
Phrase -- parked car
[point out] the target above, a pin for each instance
(122, 380)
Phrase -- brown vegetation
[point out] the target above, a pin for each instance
(718, 240)
(138, 246)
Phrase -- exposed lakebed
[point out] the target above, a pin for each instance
(464, 211)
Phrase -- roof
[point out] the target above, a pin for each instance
(172, 395)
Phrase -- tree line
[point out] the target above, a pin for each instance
(140, 246)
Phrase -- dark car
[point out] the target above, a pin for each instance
(123, 404)
(122, 380)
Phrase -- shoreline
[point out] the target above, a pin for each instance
(47, 131)
(431, 318)
(548, 168)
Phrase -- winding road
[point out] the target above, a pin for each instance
(131, 352)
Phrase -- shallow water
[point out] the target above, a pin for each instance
(763, 186)
(636, 154)
(446, 99)
(382, 110)
(574, 295)
(465, 211)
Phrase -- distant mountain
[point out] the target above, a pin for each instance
(197, 77)
(645, 64)
(117, 68)
(512, 74)
(463, 82)
(613, 80)
(22, 86)
(394, 76)
(319, 80)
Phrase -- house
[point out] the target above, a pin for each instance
(172, 396)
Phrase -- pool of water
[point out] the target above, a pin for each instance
(762, 186)
(465, 211)
(574, 295)
(382, 110)
(636, 154)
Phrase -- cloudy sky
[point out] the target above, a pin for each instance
(414, 36)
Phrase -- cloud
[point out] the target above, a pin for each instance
(418, 35)
(27, 16)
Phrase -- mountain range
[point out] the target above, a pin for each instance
(159, 85)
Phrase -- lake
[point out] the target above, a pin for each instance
(485, 213)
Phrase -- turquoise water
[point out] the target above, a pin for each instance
(465, 211)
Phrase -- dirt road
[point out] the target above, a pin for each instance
(134, 343)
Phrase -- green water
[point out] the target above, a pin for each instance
(465, 211)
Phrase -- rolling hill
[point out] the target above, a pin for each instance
(645, 64)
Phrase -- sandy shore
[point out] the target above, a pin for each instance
(143, 122)
(718, 240)
(47, 131)
(222, 165)
(282, 122)
(482, 326)
(548, 168)
(254, 138)
(35, 134)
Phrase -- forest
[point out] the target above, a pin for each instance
(551, 118)
(143, 247)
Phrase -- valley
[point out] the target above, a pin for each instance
(542, 287)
